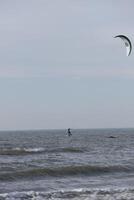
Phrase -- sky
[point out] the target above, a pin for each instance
(60, 65)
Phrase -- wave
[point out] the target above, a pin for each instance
(20, 151)
(70, 150)
(97, 194)
(23, 151)
(87, 170)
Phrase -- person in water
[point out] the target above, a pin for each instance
(69, 132)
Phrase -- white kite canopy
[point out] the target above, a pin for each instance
(127, 43)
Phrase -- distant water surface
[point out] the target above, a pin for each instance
(94, 164)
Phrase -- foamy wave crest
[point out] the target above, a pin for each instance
(34, 149)
(95, 194)
(27, 150)
(20, 151)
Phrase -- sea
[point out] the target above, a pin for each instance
(96, 164)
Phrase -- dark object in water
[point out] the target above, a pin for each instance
(112, 136)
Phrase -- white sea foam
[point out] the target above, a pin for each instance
(80, 194)
(40, 149)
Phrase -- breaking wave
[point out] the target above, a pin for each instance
(95, 194)
(20, 151)
(65, 171)
(23, 151)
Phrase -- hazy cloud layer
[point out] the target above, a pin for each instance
(60, 65)
(43, 38)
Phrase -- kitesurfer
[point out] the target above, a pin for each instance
(69, 132)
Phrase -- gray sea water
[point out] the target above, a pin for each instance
(47, 164)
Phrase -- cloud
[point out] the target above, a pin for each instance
(64, 39)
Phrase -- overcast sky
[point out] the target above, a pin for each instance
(60, 65)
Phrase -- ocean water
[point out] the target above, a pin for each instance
(48, 164)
